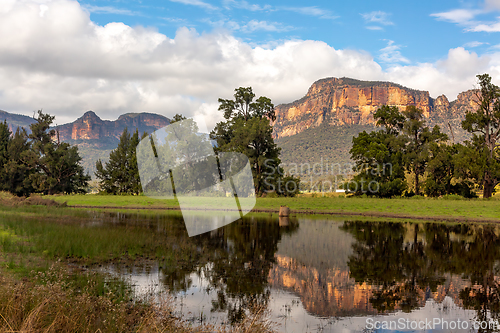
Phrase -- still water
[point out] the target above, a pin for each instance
(327, 275)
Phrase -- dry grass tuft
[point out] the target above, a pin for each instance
(10, 200)
(39, 304)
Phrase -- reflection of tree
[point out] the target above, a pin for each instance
(392, 257)
(474, 255)
(382, 257)
(236, 261)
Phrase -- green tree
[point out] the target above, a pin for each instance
(4, 143)
(121, 174)
(177, 117)
(56, 164)
(484, 124)
(382, 156)
(243, 105)
(419, 139)
(378, 157)
(16, 172)
(247, 130)
(447, 171)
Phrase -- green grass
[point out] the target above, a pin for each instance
(138, 201)
(65, 236)
(418, 207)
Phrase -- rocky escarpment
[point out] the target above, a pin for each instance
(344, 101)
(91, 129)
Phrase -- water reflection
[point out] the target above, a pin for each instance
(407, 263)
(331, 274)
(236, 265)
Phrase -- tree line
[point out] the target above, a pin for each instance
(246, 129)
(38, 162)
(405, 145)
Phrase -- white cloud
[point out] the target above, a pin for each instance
(246, 5)
(451, 75)
(377, 17)
(250, 26)
(109, 10)
(459, 16)
(473, 44)
(197, 3)
(311, 11)
(255, 25)
(308, 10)
(467, 18)
(492, 4)
(66, 64)
(486, 27)
(374, 27)
(391, 53)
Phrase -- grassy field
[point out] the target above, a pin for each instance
(439, 209)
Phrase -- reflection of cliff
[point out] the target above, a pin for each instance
(359, 268)
(334, 293)
(329, 293)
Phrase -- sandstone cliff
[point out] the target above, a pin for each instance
(344, 101)
(92, 130)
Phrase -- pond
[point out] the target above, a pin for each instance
(325, 274)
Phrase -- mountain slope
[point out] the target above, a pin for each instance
(326, 143)
(16, 120)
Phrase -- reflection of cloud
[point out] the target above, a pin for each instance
(391, 53)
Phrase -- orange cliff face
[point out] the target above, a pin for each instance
(347, 101)
(90, 127)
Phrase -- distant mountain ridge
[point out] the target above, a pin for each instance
(16, 120)
(94, 137)
(90, 130)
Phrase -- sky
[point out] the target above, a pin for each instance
(179, 56)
